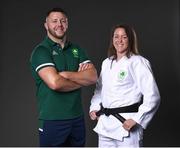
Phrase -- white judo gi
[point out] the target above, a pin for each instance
(123, 83)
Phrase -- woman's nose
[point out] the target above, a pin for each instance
(120, 40)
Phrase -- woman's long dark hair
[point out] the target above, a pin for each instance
(132, 41)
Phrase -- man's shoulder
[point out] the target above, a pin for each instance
(41, 47)
(39, 50)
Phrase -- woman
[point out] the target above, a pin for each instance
(126, 95)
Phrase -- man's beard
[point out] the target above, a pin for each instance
(55, 35)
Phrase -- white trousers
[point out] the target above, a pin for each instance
(133, 140)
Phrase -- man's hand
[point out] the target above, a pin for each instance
(84, 66)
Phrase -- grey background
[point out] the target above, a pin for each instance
(21, 28)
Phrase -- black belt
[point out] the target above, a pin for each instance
(115, 111)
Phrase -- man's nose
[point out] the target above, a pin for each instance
(59, 23)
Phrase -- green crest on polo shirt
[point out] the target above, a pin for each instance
(75, 52)
(122, 74)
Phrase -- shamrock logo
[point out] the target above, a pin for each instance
(122, 74)
(75, 52)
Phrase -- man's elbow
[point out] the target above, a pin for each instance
(54, 85)
(93, 78)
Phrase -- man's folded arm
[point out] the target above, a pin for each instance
(55, 81)
(83, 77)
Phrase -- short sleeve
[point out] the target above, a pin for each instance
(40, 58)
(83, 56)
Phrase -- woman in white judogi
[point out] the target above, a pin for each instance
(125, 77)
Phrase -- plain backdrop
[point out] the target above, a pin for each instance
(90, 21)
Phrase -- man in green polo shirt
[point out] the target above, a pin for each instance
(60, 68)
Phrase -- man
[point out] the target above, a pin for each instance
(60, 69)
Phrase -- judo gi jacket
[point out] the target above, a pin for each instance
(123, 83)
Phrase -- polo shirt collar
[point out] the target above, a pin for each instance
(53, 44)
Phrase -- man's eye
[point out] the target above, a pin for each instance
(54, 21)
(63, 21)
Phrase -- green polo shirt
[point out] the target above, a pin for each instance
(55, 105)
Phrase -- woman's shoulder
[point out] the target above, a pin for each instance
(105, 63)
(138, 58)
(106, 60)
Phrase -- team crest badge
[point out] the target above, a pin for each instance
(122, 74)
(54, 52)
(75, 52)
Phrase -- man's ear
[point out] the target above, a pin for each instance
(45, 25)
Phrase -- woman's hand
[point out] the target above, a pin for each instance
(92, 115)
(129, 124)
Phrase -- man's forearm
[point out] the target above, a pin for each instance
(67, 85)
(85, 78)
(55, 81)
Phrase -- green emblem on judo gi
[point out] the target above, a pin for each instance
(122, 74)
(75, 52)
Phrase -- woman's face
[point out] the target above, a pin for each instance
(120, 41)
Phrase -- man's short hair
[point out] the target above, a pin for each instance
(56, 9)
